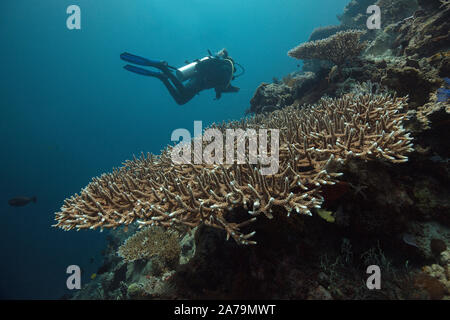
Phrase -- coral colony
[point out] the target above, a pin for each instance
(338, 48)
(153, 191)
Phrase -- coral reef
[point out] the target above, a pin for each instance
(382, 42)
(424, 112)
(270, 97)
(154, 191)
(394, 214)
(149, 277)
(274, 96)
(431, 5)
(354, 15)
(424, 34)
(393, 11)
(338, 48)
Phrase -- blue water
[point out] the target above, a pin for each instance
(69, 112)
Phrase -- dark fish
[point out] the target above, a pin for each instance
(21, 201)
(410, 240)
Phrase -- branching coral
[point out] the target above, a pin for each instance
(338, 48)
(313, 140)
(150, 242)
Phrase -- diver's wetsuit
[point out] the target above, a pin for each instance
(214, 73)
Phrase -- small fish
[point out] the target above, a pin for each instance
(91, 260)
(93, 276)
(332, 74)
(326, 215)
(410, 240)
(21, 201)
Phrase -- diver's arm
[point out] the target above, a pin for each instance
(218, 93)
(230, 88)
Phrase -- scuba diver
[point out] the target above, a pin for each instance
(209, 72)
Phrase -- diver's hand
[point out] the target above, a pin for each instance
(218, 94)
(231, 88)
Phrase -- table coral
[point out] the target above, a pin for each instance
(337, 48)
(314, 140)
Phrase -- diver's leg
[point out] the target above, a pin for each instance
(161, 65)
(185, 92)
(177, 83)
(173, 92)
(179, 97)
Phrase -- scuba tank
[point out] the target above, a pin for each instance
(186, 72)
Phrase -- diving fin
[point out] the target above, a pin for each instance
(144, 72)
(141, 61)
